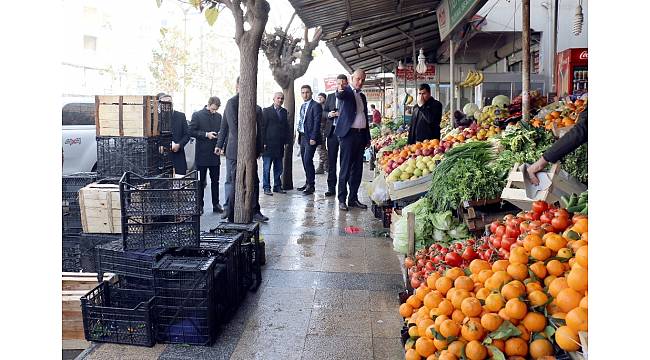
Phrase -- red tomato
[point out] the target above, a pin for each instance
(459, 246)
(453, 259)
(505, 254)
(512, 231)
(496, 242)
(524, 226)
(438, 259)
(506, 244)
(444, 251)
(560, 223)
(500, 231)
(469, 254)
(546, 217)
(562, 212)
(470, 242)
(429, 266)
(539, 206)
(494, 225)
(508, 217)
(535, 224)
(415, 282)
(548, 228)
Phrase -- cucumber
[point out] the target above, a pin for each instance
(575, 208)
(573, 201)
(584, 211)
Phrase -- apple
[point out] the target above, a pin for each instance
(426, 152)
(418, 152)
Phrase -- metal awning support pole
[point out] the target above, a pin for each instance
(415, 73)
(525, 68)
(554, 46)
(451, 76)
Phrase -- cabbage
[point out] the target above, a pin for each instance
(501, 101)
(470, 109)
(459, 232)
(442, 221)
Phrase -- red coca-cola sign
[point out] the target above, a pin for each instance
(583, 55)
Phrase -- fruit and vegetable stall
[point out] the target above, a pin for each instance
(489, 274)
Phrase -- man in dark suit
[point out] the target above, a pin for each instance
(228, 137)
(323, 164)
(204, 127)
(331, 111)
(353, 130)
(180, 137)
(277, 134)
(309, 136)
(425, 122)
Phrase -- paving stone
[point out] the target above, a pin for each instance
(387, 348)
(383, 301)
(336, 322)
(304, 250)
(337, 348)
(385, 282)
(386, 324)
(286, 299)
(118, 351)
(294, 279)
(347, 281)
(342, 299)
(296, 263)
(263, 346)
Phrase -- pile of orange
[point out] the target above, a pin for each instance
(460, 312)
(564, 116)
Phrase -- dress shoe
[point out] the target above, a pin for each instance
(268, 192)
(343, 207)
(330, 192)
(280, 191)
(217, 209)
(302, 188)
(260, 218)
(357, 204)
(309, 190)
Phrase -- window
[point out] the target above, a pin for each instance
(78, 114)
(90, 43)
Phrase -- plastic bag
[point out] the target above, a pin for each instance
(400, 237)
(378, 190)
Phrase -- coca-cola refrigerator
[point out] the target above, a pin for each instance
(572, 75)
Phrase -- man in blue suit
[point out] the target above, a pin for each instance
(353, 131)
(309, 137)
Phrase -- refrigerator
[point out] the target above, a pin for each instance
(572, 75)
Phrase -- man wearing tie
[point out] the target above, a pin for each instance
(331, 109)
(353, 131)
(309, 137)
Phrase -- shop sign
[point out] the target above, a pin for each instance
(451, 14)
(407, 72)
(330, 83)
(374, 94)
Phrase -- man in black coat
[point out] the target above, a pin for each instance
(353, 130)
(277, 134)
(309, 136)
(425, 122)
(180, 137)
(228, 137)
(204, 127)
(331, 111)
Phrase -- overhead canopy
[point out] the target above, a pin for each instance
(388, 27)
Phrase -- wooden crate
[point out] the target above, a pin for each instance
(477, 214)
(131, 116)
(73, 287)
(100, 208)
(563, 184)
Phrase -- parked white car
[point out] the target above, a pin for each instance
(79, 141)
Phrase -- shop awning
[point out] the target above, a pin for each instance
(388, 27)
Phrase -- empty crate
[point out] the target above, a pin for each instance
(71, 184)
(139, 116)
(251, 248)
(186, 306)
(116, 314)
(145, 156)
(135, 267)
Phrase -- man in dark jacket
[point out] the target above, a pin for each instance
(331, 109)
(309, 137)
(425, 122)
(228, 137)
(569, 142)
(323, 164)
(204, 127)
(277, 134)
(180, 137)
(353, 130)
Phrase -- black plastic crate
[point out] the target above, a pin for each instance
(115, 314)
(70, 199)
(186, 308)
(135, 266)
(386, 214)
(88, 249)
(143, 156)
(155, 196)
(160, 231)
(71, 253)
(227, 251)
(251, 270)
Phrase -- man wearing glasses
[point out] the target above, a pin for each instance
(204, 127)
(276, 134)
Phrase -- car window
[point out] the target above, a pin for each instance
(78, 114)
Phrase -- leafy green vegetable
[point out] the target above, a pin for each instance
(442, 221)
(576, 164)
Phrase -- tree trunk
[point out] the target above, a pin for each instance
(246, 152)
(287, 161)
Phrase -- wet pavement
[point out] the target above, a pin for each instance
(325, 294)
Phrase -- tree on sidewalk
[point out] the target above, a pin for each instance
(251, 17)
(289, 59)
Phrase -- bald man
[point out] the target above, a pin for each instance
(353, 131)
(276, 134)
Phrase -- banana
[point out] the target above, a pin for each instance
(480, 79)
(469, 79)
(462, 84)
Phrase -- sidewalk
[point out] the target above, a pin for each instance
(325, 294)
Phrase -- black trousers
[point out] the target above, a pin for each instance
(307, 151)
(232, 164)
(214, 183)
(179, 162)
(352, 147)
(332, 158)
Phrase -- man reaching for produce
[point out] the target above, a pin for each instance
(566, 144)
(425, 123)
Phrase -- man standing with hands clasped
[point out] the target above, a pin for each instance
(309, 136)
(205, 127)
(180, 137)
(277, 134)
(352, 129)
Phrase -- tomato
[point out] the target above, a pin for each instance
(421, 263)
(535, 224)
(469, 254)
(470, 242)
(485, 246)
(548, 228)
(496, 242)
(504, 253)
(429, 266)
(562, 212)
(494, 225)
(453, 259)
(506, 244)
(521, 215)
(438, 259)
(546, 217)
(508, 217)
(459, 246)
(539, 206)
(524, 226)
(500, 231)
(415, 282)
(538, 232)
(438, 246)
(488, 253)
(444, 251)
(560, 223)
(512, 231)
(412, 270)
